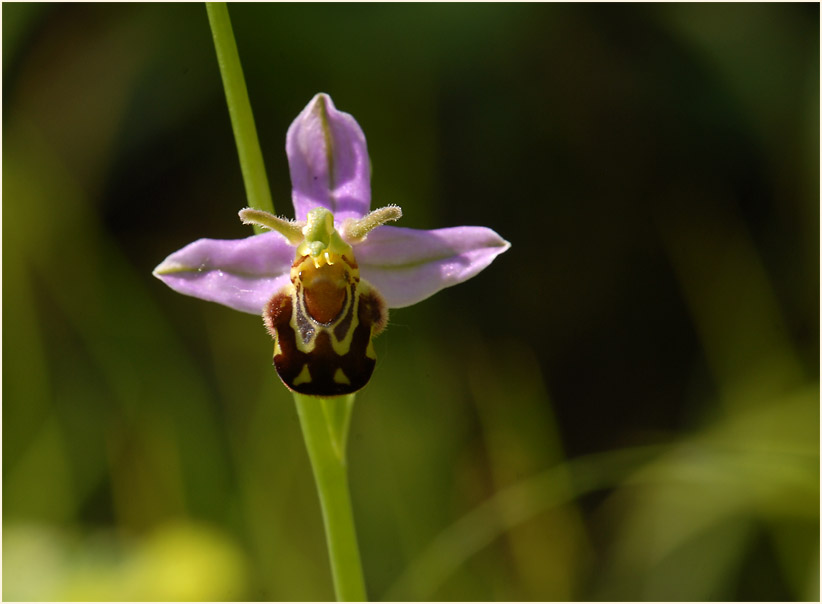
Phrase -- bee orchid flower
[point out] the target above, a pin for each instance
(323, 282)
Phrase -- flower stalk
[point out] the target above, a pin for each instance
(324, 423)
(239, 108)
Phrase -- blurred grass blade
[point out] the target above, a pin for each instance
(507, 509)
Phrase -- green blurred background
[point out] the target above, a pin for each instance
(623, 406)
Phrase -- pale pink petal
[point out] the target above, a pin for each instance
(240, 273)
(409, 265)
(328, 160)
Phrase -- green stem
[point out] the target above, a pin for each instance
(325, 423)
(239, 108)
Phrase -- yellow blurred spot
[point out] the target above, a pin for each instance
(180, 561)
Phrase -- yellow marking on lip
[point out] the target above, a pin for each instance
(304, 377)
(341, 378)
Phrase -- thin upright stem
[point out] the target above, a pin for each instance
(324, 421)
(239, 108)
(325, 426)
